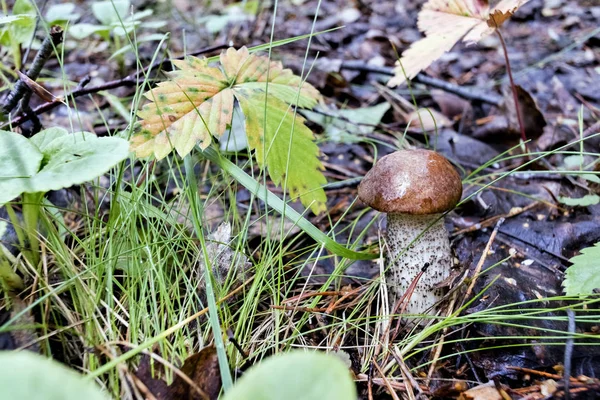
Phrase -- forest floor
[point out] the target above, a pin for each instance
(133, 278)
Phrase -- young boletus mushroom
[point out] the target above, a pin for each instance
(414, 187)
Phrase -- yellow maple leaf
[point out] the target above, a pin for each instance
(444, 23)
(197, 101)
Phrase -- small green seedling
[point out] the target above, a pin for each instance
(583, 278)
(17, 29)
(116, 22)
(50, 160)
(234, 13)
(61, 14)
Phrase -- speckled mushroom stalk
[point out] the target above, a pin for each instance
(414, 188)
(432, 248)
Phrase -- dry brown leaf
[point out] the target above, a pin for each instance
(427, 120)
(486, 391)
(202, 370)
(444, 23)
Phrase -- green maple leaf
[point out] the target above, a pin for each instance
(197, 104)
(583, 276)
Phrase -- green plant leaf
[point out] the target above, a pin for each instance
(585, 201)
(60, 13)
(285, 146)
(20, 160)
(295, 375)
(583, 276)
(81, 31)
(198, 103)
(274, 202)
(5, 19)
(130, 48)
(28, 376)
(348, 125)
(109, 12)
(54, 159)
(22, 30)
(24, 7)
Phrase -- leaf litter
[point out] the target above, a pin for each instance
(538, 240)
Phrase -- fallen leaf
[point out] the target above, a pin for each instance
(533, 119)
(427, 120)
(486, 391)
(201, 368)
(348, 125)
(548, 387)
(444, 23)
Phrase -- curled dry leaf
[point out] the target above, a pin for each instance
(444, 23)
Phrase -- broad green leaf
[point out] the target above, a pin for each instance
(123, 29)
(285, 146)
(81, 31)
(130, 48)
(573, 162)
(20, 160)
(43, 139)
(585, 201)
(590, 177)
(22, 29)
(24, 7)
(109, 12)
(138, 16)
(583, 276)
(28, 376)
(5, 19)
(61, 13)
(54, 159)
(297, 375)
(348, 125)
(197, 103)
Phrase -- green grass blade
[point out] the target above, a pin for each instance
(281, 207)
(213, 312)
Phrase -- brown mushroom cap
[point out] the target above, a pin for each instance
(411, 182)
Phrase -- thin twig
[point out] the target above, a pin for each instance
(20, 89)
(490, 221)
(128, 81)
(386, 382)
(466, 93)
(440, 344)
(569, 355)
(409, 379)
(483, 258)
(535, 372)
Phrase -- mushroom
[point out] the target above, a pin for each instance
(414, 188)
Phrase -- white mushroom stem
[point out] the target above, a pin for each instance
(405, 263)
